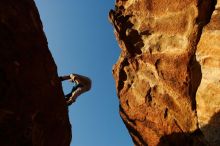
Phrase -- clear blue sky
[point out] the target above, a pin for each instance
(81, 40)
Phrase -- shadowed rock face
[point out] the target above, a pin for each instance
(167, 76)
(32, 105)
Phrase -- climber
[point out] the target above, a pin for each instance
(82, 84)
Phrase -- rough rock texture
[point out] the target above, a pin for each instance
(208, 93)
(32, 105)
(168, 73)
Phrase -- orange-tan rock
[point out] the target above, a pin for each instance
(208, 94)
(161, 66)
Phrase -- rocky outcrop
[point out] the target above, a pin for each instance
(208, 93)
(168, 74)
(32, 106)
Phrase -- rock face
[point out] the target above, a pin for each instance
(208, 93)
(32, 105)
(168, 73)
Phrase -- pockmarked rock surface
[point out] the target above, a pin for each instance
(32, 106)
(168, 73)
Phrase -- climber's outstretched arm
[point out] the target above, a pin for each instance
(67, 77)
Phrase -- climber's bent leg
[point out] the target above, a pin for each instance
(70, 94)
(74, 95)
(67, 96)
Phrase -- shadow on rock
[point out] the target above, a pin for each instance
(208, 135)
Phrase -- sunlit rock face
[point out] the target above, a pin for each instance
(208, 93)
(167, 75)
(33, 111)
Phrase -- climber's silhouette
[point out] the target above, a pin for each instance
(82, 84)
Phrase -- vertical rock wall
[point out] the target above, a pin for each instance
(167, 76)
(208, 94)
(32, 105)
